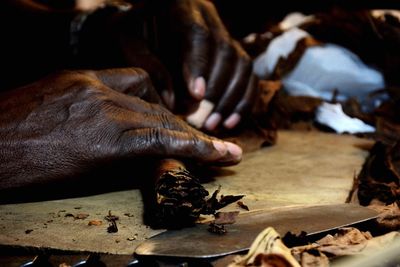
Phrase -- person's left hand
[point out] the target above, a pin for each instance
(216, 69)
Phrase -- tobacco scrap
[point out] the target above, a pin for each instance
(95, 223)
(213, 204)
(242, 205)
(112, 228)
(216, 229)
(180, 198)
(28, 231)
(222, 218)
(291, 240)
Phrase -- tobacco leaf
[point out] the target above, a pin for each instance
(180, 199)
(291, 240)
(375, 40)
(213, 204)
(242, 205)
(112, 219)
(95, 223)
(376, 180)
(112, 228)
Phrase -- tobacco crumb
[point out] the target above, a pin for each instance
(95, 223)
(28, 231)
(242, 205)
(293, 240)
(111, 217)
(129, 215)
(77, 208)
(131, 238)
(112, 228)
(117, 241)
(69, 215)
(216, 229)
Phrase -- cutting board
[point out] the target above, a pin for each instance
(303, 168)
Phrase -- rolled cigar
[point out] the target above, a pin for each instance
(180, 197)
(198, 118)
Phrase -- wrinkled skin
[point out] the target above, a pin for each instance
(192, 42)
(215, 67)
(72, 121)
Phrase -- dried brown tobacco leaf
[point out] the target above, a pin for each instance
(95, 223)
(393, 159)
(226, 217)
(286, 65)
(112, 228)
(290, 239)
(213, 204)
(28, 231)
(242, 205)
(111, 217)
(217, 229)
(376, 181)
(180, 198)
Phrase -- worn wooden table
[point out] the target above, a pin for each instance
(303, 168)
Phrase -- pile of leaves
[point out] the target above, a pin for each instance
(376, 40)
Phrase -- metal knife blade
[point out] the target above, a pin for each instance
(197, 242)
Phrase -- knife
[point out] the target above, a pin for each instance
(197, 243)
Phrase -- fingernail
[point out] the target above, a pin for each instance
(220, 146)
(235, 150)
(212, 121)
(198, 117)
(232, 121)
(197, 87)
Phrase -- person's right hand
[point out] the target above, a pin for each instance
(73, 121)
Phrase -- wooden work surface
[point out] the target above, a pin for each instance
(303, 168)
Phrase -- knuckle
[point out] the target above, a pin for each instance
(143, 76)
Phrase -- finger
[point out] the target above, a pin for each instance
(219, 78)
(235, 91)
(244, 106)
(130, 81)
(196, 57)
(220, 73)
(165, 142)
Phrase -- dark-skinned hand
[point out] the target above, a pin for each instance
(72, 121)
(215, 67)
